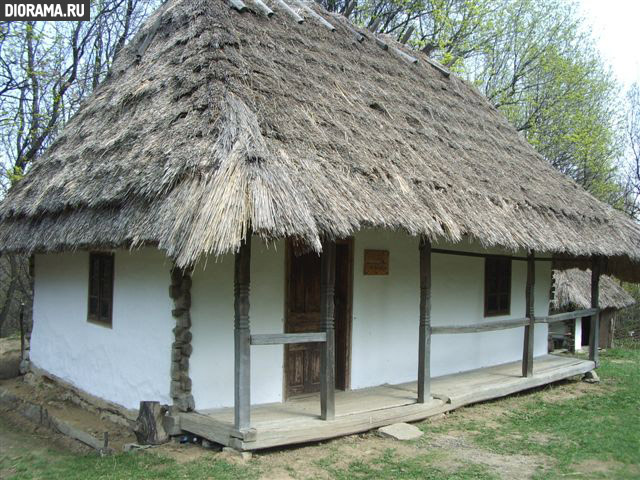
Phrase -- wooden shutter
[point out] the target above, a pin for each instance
(100, 288)
(497, 286)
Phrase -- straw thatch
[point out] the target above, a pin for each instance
(572, 289)
(213, 121)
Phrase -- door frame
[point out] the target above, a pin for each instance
(349, 313)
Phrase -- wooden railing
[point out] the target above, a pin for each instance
(561, 317)
(512, 323)
(527, 354)
(288, 338)
(481, 327)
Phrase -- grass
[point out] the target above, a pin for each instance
(391, 466)
(594, 435)
(599, 428)
(122, 466)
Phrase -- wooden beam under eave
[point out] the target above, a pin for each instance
(594, 333)
(327, 307)
(242, 336)
(424, 338)
(527, 352)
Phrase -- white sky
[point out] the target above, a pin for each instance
(616, 28)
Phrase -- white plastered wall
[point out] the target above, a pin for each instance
(385, 318)
(212, 362)
(131, 361)
(385, 312)
(125, 364)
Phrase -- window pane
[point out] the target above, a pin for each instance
(497, 285)
(100, 287)
(492, 303)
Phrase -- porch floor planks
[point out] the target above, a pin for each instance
(297, 420)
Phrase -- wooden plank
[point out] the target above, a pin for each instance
(206, 427)
(438, 66)
(513, 385)
(328, 359)
(424, 338)
(561, 317)
(287, 338)
(238, 5)
(480, 327)
(527, 349)
(316, 15)
(286, 424)
(316, 430)
(242, 336)
(313, 430)
(285, 6)
(445, 251)
(263, 7)
(403, 55)
(594, 333)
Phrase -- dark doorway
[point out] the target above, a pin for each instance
(586, 331)
(302, 307)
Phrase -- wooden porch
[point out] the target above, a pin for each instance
(299, 420)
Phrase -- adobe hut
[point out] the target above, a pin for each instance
(265, 201)
(572, 291)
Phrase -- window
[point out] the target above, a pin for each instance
(100, 288)
(497, 286)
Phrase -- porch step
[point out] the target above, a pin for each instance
(401, 431)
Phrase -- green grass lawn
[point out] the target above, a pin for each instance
(568, 430)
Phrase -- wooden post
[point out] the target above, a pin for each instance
(21, 320)
(242, 334)
(424, 339)
(594, 333)
(527, 353)
(328, 360)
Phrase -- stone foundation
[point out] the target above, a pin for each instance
(180, 292)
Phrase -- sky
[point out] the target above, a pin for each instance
(616, 28)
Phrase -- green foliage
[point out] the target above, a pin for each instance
(542, 71)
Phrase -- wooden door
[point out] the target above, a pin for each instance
(342, 312)
(302, 361)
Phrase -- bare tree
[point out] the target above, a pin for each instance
(46, 70)
(631, 177)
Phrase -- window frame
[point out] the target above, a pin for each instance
(94, 318)
(498, 292)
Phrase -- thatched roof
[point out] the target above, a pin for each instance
(213, 121)
(572, 288)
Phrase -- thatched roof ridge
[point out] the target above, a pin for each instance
(213, 121)
(572, 288)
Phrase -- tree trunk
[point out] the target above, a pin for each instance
(149, 429)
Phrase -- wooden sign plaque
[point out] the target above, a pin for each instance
(376, 262)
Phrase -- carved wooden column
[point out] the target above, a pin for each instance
(328, 360)
(242, 332)
(594, 333)
(527, 353)
(424, 338)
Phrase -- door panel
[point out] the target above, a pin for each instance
(302, 361)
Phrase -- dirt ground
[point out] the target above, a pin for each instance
(9, 357)
(59, 402)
